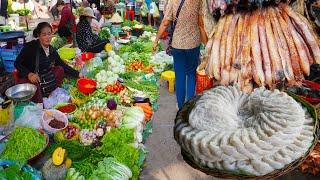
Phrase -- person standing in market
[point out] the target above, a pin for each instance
(86, 39)
(188, 32)
(161, 8)
(67, 23)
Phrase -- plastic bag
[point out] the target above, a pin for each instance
(144, 9)
(156, 13)
(30, 117)
(58, 96)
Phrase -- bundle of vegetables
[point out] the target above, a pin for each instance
(118, 144)
(105, 78)
(160, 61)
(101, 94)
(94, 63)
(23, 144)
(139, 66)
(130, 75)
(115, 88)
(58, 42)
(88, 164)
(138, 47)
(110, 168)
(271, 131)
(74, 175)
(147, 109)
(133, 118)
(115, 63)
(269, 46)
(104, 34)
(134, 56)
(148, 88)
(77, 97)
(129, 23)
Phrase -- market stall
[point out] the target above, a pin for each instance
(92, 127)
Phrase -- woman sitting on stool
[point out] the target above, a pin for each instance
(38, 59)
(86, 39)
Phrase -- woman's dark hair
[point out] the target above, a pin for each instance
(40, 27)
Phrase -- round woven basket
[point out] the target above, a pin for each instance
(183, 117)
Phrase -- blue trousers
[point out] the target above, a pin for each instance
(185, 65)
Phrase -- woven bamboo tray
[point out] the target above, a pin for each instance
(183, 117)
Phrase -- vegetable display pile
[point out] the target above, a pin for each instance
(23, 144)
(110, 168)
(266, 47)
(125, 152)
(104, 34)
(252, 134)
(106, 128)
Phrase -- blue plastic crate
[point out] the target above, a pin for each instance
(9, 54)
(8, 65)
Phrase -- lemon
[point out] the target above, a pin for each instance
(68, 163)
(108, 47)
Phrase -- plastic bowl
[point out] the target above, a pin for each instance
(47, 117)
(83, 84)
(87, 56)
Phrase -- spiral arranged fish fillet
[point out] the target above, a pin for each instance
(254, 133)
(265, 47)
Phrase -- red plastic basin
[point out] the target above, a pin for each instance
(87, 56)
(86, 86)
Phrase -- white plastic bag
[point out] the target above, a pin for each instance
(30, 117)
(58, 96)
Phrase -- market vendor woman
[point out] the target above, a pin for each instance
(86, 39)
(39, 62)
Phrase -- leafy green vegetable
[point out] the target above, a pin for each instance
(111, 169)
(58, 42)
(23, 144)
(104, 34)
(138, 47)
(143, 85)
(117, 143)
(68, 83)
(74, 175)
(87, 165)
(14, 172)
(130, 75)
(75, 150)
(143, 57)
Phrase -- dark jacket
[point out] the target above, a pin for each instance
(84, 36)
(26, 60)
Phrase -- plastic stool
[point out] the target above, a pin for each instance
(170, 77)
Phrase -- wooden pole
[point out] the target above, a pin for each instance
(25, 16)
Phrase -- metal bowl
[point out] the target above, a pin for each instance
(21, 92)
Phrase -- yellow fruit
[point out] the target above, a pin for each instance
(68, 163)
(108, 47)
(58, 156)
